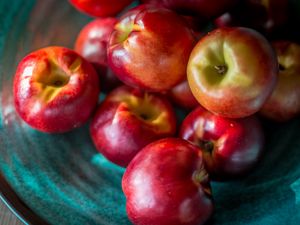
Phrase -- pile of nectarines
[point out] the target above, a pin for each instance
(205, 56)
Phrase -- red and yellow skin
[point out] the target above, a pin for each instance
(230, 147)
(204, 9)
(128, 120)
(91, 43)
(100, 8)
(284, 103)
(182, 96)
(232, 71)
(167, 184)
(147, 51)
(55, 89)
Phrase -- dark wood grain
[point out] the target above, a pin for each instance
(21, 209)
(7, 217)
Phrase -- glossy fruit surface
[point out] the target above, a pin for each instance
(182, 96)
(231, 147)
(91, 43)
(128, 120)
(100, 8)
(55, 89)
(147, 51)
(232, 71)
(166, 183)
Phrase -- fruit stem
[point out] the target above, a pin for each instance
(207, 146)
(200, 177)
(144, 116)
(221, 69)
(281, 67)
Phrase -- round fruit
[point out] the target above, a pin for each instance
(232, 71)
(166, 183)
(231, 147)
(55, 89)
(128, 120)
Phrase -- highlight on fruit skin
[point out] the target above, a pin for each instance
(100, 8)
(147, 51)
(232, 71)
(91, 43)
(231, 148)
(55, 89)
(167, 183)
(129, 119)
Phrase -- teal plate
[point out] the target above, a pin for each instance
(61, 179)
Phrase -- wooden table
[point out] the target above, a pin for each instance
(7, 217)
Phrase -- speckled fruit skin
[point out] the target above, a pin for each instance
(100, 8)
(147, 51)
(232, 71)
(182, 96)
(91, 43)
(167, 184)
(128, 120)
(55, 89)
(284, 103)
(231, 147)
(205, 9)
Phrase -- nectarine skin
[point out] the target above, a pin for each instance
(147, 51)
(269, 15)
(284, 103)
(91, 43)
(205, 9)
(231, 147)
(182, 96)
(55, 89)
(232, 71)
(100, 8)
(167, 184)
(128, 120)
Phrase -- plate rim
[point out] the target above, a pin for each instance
(17, 206)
